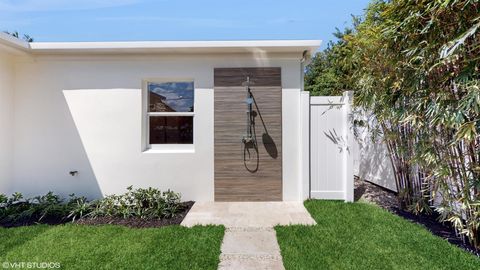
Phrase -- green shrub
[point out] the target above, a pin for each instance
(3, 198)
(48, 208)
(78, 207)
(147, 203)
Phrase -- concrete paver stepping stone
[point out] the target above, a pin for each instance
(257, 242)
(250, 248)
(250, 242)
(251, 264)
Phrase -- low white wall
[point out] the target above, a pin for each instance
(291, 144)
(84, 114)
(304, 160)
(6, 122)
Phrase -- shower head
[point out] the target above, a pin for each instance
(248, 82)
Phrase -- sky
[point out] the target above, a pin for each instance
(129, 20)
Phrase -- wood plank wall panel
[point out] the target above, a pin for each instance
(233, 182)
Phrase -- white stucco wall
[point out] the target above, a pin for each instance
(6, 122)
(83, 113)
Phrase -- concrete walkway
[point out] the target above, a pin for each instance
(250, 241)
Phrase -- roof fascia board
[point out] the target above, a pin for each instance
(176, 46)
(13, 42)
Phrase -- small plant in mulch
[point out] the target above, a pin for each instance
(136, 208)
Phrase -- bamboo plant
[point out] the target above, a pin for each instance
(417, 69)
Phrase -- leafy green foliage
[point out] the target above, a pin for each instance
(147, 203)
(3, 198)
(48, 208)
(321, 78)
(331, 71)
(78, 207)
(143, 203)
(364, 236)
(417, 70)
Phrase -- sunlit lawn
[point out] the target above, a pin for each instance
(364, 236)
(113, 247)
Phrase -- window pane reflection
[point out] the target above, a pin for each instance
(171, 129)
(170, 97)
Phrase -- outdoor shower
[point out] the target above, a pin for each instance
(249, 140)
(249, 137)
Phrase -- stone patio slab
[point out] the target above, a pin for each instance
(248, 214)
(252, 243)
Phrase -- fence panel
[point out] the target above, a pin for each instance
(331, 157)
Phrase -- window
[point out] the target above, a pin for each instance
(169, 112)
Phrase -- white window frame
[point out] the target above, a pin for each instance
(164, 148)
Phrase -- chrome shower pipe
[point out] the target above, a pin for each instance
(249, 101)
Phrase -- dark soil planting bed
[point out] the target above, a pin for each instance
(386, 199)
(34, 221)
(135, 222)
(137, 208)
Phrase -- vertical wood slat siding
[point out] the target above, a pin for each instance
(233, 182)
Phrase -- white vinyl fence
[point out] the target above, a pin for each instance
(331, 148)
(372, 161)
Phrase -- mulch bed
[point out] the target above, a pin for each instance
(138, 222)
(33, 221)
(387, 199)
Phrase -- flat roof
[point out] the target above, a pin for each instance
(13, 44)
(241, 46)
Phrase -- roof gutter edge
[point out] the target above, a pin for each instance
(14, 42)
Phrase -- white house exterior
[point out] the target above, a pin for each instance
(76, 108)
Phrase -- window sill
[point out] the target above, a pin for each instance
(171, 149)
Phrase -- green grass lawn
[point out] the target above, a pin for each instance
(113, 247)
(364, 236)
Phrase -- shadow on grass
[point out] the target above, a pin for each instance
(12, 238)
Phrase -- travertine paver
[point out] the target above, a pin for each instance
(248, 214)
(252, 248)
(251, 264)
(250, 241)
(255, 242)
